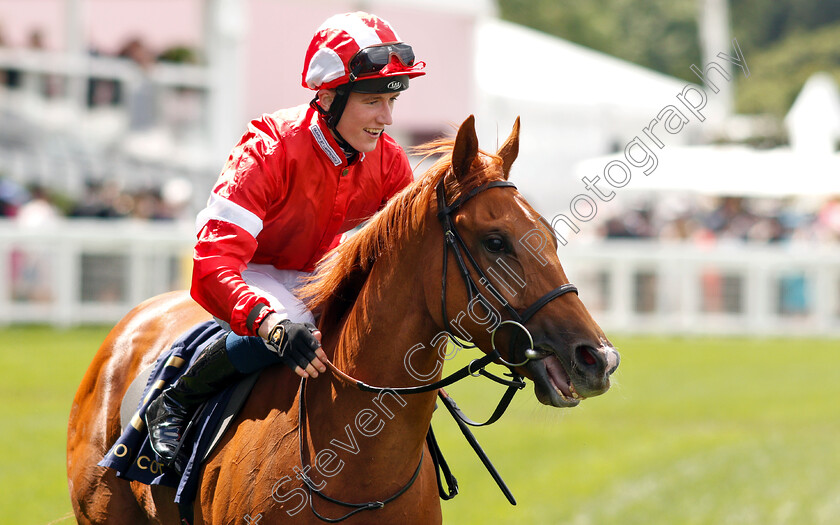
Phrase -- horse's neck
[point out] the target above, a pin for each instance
(388, 320)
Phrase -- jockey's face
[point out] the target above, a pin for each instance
(365, 117)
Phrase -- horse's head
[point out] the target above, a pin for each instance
(510, 254)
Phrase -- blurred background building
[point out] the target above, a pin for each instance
(116, 116)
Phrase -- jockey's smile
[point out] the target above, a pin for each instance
(365, 117)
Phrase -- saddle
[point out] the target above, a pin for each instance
(240, 391)
(132, 455)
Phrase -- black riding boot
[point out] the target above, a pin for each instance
(167, 416)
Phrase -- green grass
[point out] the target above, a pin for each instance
(41, 369)
(694, 431)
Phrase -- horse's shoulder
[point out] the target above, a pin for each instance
(274, 397)
(268, 420)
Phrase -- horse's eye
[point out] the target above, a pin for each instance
(494, 244)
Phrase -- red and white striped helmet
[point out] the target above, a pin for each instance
(340, 38)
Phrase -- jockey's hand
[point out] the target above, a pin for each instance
(298, 345)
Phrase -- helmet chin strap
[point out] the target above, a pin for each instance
(333, 115)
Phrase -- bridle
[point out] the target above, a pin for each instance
(454, 242)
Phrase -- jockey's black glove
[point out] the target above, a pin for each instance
(294, 343)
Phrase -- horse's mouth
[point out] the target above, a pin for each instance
(552, 384)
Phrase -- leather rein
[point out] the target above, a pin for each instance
(454, 242)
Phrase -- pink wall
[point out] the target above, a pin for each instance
(19, 18)
(108, 23)
(280, 33)
(444, 41)
(160, 23)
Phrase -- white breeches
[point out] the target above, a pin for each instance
(279, 287)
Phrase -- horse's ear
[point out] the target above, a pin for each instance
(465, 149)
(510, 149)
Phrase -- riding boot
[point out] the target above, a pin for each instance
(168, 415)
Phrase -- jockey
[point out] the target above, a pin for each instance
(297, 180)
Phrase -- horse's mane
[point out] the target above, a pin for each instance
(341, 274)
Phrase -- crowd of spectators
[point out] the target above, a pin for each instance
(709, 219)
(701, 219)
(35, 204)
(142, 103)
(122, 90)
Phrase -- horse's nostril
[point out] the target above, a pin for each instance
(586, 355)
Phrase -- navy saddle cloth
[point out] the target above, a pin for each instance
(132, 455)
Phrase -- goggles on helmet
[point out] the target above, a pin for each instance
(373, 59)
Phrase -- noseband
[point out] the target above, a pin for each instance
(453, 240)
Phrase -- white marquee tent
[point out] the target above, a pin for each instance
(575, 103)
(729, 170)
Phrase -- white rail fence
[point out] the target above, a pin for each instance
(88, 271)
(78, 272)
(748, 289)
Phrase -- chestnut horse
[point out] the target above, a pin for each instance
(386, 299)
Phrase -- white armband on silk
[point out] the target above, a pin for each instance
(221, 209)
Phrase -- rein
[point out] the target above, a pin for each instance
(312, 489)
(454, 242)
(474, 368)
